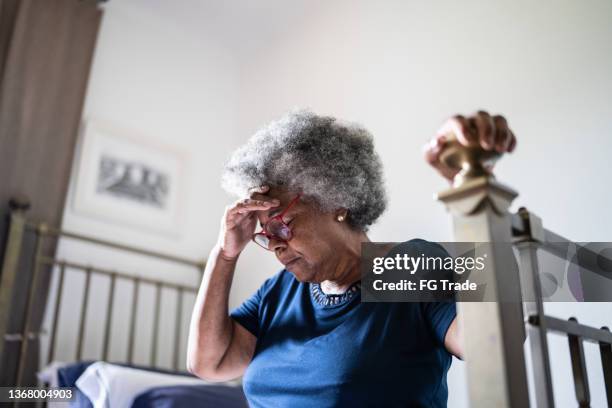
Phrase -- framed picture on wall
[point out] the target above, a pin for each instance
(130, 179)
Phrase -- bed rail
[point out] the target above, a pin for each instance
(43, 267)
(496, 365)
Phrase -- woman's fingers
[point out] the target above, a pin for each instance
(461, 127)
(248, 205)
(485, 127)
(491, 132)
(432, 150)
(246, 208)
(244, 211)
(259, 189)
(512, 144)
(503, 135)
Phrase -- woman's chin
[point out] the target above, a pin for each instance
(301, 274)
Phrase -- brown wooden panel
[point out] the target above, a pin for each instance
(46, 48)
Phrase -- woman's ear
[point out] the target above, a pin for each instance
(341, 214)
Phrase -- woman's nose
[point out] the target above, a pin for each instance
(275, 244)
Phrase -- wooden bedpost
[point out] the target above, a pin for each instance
(493, 330)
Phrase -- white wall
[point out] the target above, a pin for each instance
(205, 75)
(174, 83)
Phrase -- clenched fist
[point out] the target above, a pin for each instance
(490, 132)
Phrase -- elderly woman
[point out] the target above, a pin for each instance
(313, 185)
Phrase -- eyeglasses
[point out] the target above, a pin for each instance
(275, 228)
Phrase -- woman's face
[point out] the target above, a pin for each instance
(312, 252)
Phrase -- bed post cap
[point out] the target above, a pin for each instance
(470, 161)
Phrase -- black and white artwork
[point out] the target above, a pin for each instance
(129, 178)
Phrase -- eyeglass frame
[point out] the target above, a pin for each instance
(280, 218)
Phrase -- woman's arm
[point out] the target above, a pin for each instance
(220, 349)
(453, 341)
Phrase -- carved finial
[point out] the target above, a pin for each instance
(471, 161)
(19, 203)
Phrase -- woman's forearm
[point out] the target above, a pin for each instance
(210, 331)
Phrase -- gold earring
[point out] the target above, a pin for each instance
(340, 218)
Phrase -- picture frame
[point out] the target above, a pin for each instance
(129, 179)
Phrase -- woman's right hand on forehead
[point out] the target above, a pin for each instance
(240, 220)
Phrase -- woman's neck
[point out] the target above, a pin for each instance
(347, 270)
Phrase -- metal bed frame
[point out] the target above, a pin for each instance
(19, 226)
(495, 360)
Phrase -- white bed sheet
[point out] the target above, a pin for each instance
(109, 385)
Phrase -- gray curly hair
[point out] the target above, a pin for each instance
(330, 162)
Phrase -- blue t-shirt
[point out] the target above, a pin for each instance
(322, 351)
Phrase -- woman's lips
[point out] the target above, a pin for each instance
(292, 262)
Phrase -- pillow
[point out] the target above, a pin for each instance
(60, 374)
(66, 374)
(109, 385)
(49, 374)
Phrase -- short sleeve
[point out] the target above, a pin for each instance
(247, 314)
(439, 316)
